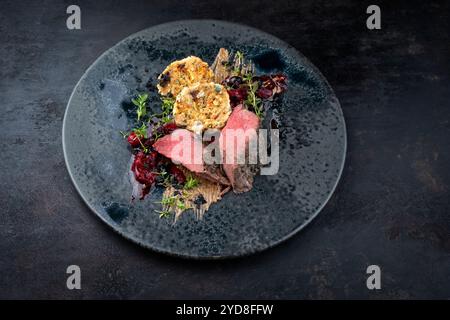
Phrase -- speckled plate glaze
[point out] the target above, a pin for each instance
(312, 150)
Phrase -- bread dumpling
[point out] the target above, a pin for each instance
(202, 106)
(183, 73)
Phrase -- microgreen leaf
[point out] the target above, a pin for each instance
(190, 183)
(163, 213)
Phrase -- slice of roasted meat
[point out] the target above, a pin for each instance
(172, 147)
(239, 175)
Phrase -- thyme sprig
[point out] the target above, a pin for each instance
(141, 103)
(170, 204)
(141, 131)
(253, 101)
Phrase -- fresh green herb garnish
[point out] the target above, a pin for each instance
(190, 183)
(164, 117)
(171, 203)
(144, 148)
(238, 62)
(239, 55)
(165, 120)
(168, 201)
(252, 99)
(163, 213)
(167, 180)
(162, 173)
(141, 103)
(181, 205)
(248, 77)
(141, 132)
(157, 134)
(167, 104)
(167, 108)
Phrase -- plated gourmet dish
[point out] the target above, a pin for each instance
(196, 99)
(304, 163)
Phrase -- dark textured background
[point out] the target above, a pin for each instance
(391, 207)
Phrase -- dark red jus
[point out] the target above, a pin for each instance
(143, 167)
(168, 128)
(133, 140)
(264, 93)
(237, 96)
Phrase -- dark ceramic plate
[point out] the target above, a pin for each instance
(312, 148)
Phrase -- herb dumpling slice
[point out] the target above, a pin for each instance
(202, 106)
(183, 73)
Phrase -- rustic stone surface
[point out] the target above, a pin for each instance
(391, 207)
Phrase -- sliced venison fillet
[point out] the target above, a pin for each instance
(239, 175)
(215, 173)
(180, 147)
